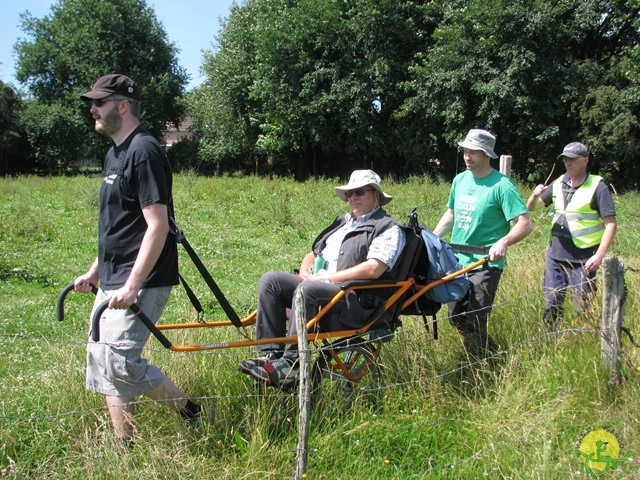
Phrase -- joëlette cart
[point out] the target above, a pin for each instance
(346, 357)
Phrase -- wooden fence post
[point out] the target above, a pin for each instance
(612, 316)
(305, 391)
(505, 165)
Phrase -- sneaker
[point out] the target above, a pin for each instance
(279, 373)
(247, 365)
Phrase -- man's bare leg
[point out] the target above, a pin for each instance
(168, 393)
(121, 411)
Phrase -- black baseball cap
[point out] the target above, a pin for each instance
(112, 84)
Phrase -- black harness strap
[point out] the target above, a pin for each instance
(416, 227)
(192, 296)
(224, 303)
(470, 249)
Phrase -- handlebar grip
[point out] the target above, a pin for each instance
(95, 320)
(95, 323)
(61, 297)
(60, 301)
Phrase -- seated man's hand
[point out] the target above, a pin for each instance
(315, 277)
(304, 274)
(306, 266)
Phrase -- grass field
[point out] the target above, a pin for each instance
(436, 416)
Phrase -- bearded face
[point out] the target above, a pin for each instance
(108, 122)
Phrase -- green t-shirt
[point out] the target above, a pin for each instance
(482, 210)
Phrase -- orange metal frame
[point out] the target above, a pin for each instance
(401, 287)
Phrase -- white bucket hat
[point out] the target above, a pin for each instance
(480, 140)
(363, 178)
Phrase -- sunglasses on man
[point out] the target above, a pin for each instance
(99, 102)
(358, 193)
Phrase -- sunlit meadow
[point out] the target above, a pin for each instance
(522, 416)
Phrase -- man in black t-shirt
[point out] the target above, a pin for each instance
(137, 257)
(584, 224)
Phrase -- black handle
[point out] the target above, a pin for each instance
(61, 297)
(95, 323)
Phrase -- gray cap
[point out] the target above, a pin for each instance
(574, 150)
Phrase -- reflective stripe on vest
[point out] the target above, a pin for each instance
(584, 223)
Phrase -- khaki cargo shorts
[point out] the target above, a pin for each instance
(115, 366)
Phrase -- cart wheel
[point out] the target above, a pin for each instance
(331, 386)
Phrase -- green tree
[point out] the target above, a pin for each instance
(67, 50)
(13, 146)
(52, 130)
(309, 80)
(526, 70)
(499, 65)
(220, 108)
(610, 108)
(321, 87)
(353, 67)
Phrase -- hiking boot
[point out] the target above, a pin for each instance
(477, 347)
(246, 366)
(198, 424)
(280, 373)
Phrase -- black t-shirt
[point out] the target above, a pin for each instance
(133, 181)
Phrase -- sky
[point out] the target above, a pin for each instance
(190, 24)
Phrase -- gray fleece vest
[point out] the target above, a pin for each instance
(363, 305)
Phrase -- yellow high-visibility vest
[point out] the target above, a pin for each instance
(584, 223)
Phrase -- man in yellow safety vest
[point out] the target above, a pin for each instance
(584, 224)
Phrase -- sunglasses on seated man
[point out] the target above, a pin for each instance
(358, 193)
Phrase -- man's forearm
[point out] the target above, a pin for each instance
(445, 224)
(521, 229)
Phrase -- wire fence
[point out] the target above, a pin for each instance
(29, 339)
(398, 334)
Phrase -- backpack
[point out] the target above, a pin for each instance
(434, 260)
(441, 261)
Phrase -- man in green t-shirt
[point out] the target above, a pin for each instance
(482, 204)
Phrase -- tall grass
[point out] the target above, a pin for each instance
(436, 416)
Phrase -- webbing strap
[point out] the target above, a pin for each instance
(224, 303)
(470, 249)
(192, 296)
(226, 306)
